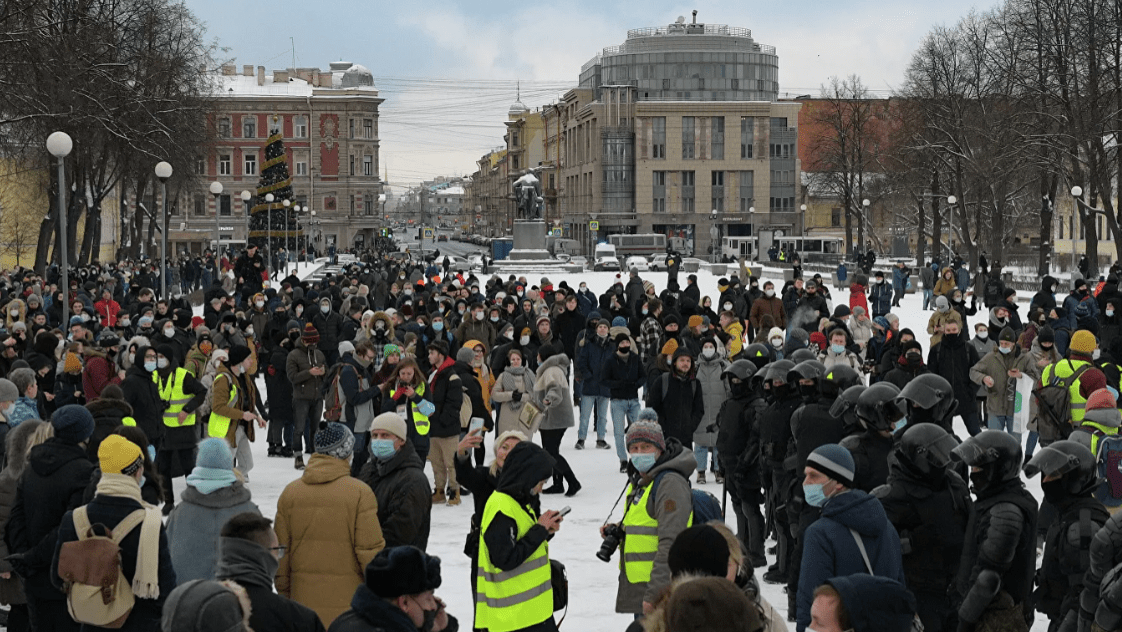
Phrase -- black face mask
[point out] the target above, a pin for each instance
(1054, 491)
(979, 480)
(624, 351)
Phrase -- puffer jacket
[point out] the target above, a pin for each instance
(325, 559)
(552, 386)
(714, 391)
(330, 328)
(298, 365)
(943, 285)
(830, 549)
(194, 526)
(404, 497)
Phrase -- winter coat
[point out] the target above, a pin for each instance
(830, 549)
(194, 526)
(1045, 299)
(953, 358)
(862, 332)
(905, 371)
(144, 398)
(11, 589)
(936, 322)
(552, 386)
(371, 613)
(325, 559)
(857, 297)
(298, 366)
(471, 329)
(330, 328)
(672, 507)
(768, 305)
(446, 392)
(246, 399)
(99, 372)
(514, 379)
(846, 358)
(680, 405)
(623, 377)
(110, 511)
(592, 353)
(362, 397)
(404, 497)
(714, 391)
(880, 299)
(1000, 398)
(52, 484)
(927, 277)
(247, 564)
(943, 285)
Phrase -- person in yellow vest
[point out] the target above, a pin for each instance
(514, 590)
(182, 394)
(651, 521)
(404, 392)
(1080, 352)
(236, 406)
(1101, 419)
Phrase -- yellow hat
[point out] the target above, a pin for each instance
(670, 347)
(694, 321)
(1083, 342)
(71, 363)
(118, 455)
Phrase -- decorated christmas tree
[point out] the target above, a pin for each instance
(268, 221)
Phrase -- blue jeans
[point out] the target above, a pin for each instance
(926, 298)
(1033, 438)
(701, 453)
(624, 413)
(587, 403)
(1003, 422)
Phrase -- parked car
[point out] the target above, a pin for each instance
(606, 263)
(636, 263)
(442, 237)
(658, 263)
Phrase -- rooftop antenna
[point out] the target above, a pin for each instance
(695, 16)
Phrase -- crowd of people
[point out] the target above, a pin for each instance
(822, 420)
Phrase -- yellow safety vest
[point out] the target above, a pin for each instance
(639, 548)
(1091, 427)
(1063, 369)
(176, 399)
(420, 420)
(219, 425)
(518, 598)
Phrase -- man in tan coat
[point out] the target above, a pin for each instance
(328, 523)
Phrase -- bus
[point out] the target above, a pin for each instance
(638, 245)
(808, 247)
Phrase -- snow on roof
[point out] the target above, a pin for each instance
(452, 191)
(243, 86)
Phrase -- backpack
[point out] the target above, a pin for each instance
(465, 403)
(1109, 458)
(333, 396)
(705, 505)
(97, 591)
(1054, 404)
(1083, 310)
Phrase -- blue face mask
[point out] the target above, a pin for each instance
(142, 480)
(150, 366)
(438, 326)
(382, 449)
(900, 424)
(1005, 349)
(838, 349)
(814, 495)
(151, 453)
(643, 462)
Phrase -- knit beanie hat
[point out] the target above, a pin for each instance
(1083, 342)
(440, 347)
(620, 337)
(648, 414)
(1102, 398)
(875, 603)
(1007, 335)
(834, 461)
(71, 363)
(215, 454)
(619, 321)
(694, 321)
(8, 390)
(1102, 408)
(699, 550)
(334, 439)
(465, 354)
(310, 335)
(710, 604)
(118, 455)
(402, 570)
(205, 605)
(238, 354)
(390, 350)
(345, 347)
(648, 432)
(670, 347)
(1046, 334)
(818, 339)
(390, 422)
(1090, 381)
(842, 310)
(72, 424)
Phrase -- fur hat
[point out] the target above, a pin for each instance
(402, 570)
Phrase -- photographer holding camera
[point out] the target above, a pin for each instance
(651, 521)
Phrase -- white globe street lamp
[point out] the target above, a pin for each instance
(163, 172)
(59, 145)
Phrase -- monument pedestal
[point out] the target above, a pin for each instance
(529, 241)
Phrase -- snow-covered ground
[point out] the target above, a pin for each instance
(592, 583)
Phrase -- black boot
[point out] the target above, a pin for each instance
(556, 488)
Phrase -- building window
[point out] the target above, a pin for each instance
(779, 122)
(782, 203)
(782, 176)
(368, 203)
(173, 207)
(368, 165)
(688, 187)
(659, 180)
(513, 139)
(687, 137)
(200, 205)
(718, 191)
(200, 166)
(224, 127)
(718, 129)
(658, 137)
(224, 204)
(351, 129)
(782, 150)
(514, 163)
(299, 127)
(301, 167)
(224, 164)
(352, 165)
(836, 217)
(251, 164)
(249, 127)
(747, 137)
(747, 190)
(368, 129)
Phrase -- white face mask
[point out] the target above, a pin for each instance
(769, 293)
(259, 304)
(169, 333)
(524, 340)
(982, 335)
(777, 342)
(325, 308)
(478, 315)
(249, 331)
(162, 363)
(728, 306)
(708, 353)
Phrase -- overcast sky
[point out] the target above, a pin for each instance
(448, 68)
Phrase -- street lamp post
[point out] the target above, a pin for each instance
(246, 197)
(286, 204)
(269, 197)
(1077, 193)
(864, 217)
(163, 172)
(714, 236)
(216, 190)
(951, 201)
(59, 145)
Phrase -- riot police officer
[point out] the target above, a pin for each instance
(879, 412)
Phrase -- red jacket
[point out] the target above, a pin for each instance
(99, 372)
(857, 298)
(107, 311)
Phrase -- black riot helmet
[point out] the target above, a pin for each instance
(837, 379)
(877, 408)
(926, 449)
(995, 453)
(929, 398)
(812, 370)
(739, 375)
(1070, 461)
(778, 370)
(845, 406)
(802, 355)
(758, 354)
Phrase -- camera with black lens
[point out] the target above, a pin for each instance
(613, 535)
